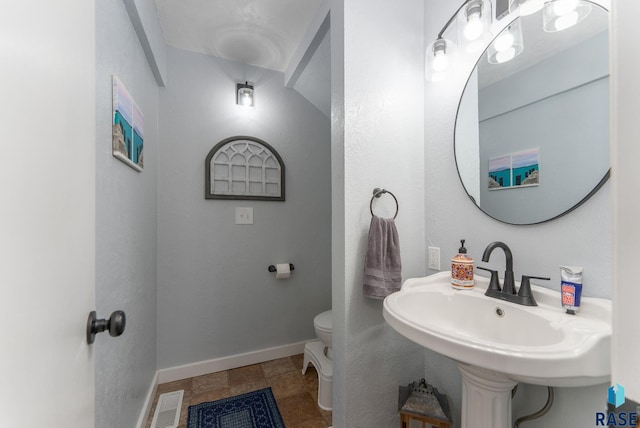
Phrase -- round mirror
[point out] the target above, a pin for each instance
(532, 129)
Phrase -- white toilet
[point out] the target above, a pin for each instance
(320, 354)
(323, 325)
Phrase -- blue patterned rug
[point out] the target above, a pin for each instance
(255, 409)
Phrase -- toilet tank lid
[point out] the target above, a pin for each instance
(324, 320)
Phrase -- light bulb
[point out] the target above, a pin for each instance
(563, 7)
(245, 96)
(440, 60)
(504, 41)
(562, 14)
(505, 55)
(565, 21)
(474, 27)
(507, 45)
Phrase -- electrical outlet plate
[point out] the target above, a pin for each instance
(244, 215)
(433, 261)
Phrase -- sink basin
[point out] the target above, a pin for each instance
(539, 345)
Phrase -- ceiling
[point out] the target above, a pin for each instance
(263, 33)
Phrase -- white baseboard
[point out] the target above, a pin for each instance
(226, 363)
(215, 365)
(148, 402)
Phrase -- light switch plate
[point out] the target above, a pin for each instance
(244, 215)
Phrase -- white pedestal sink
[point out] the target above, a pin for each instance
(498, 344)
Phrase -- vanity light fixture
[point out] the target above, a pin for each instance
(244, 94)
(559, 15)
(507, 45)
(473, 21)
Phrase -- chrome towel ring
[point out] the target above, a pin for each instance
(377, 192)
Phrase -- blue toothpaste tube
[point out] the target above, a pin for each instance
(571, 288)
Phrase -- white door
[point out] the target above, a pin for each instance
(47, 212)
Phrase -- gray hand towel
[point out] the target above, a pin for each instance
(382, 265)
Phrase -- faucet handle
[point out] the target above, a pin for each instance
(494, 284)
(525, 287)
(526, 278)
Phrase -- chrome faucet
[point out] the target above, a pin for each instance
(508, 290)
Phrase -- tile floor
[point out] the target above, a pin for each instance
(295, 394)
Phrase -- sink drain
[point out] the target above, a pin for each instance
(499, 312)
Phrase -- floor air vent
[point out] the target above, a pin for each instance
(167, 414)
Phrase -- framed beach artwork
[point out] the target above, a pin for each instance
(514, 170)
(127, 127)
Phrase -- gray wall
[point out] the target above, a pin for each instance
(314, 82)
(377, 141)
(566, 118)
(582, 238)
(215, 295)
(125, 227)
(143, 16)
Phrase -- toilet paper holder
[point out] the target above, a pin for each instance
(272, 268)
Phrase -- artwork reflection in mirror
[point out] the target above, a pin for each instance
(554, 97)
(515, 170)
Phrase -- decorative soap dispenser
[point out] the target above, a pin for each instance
(462, 269)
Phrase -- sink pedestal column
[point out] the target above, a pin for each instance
(486, 398)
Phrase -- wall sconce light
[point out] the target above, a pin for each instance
(559, 15)
(507, 45)
(244, 94)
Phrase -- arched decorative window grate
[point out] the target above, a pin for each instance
(244, 168)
